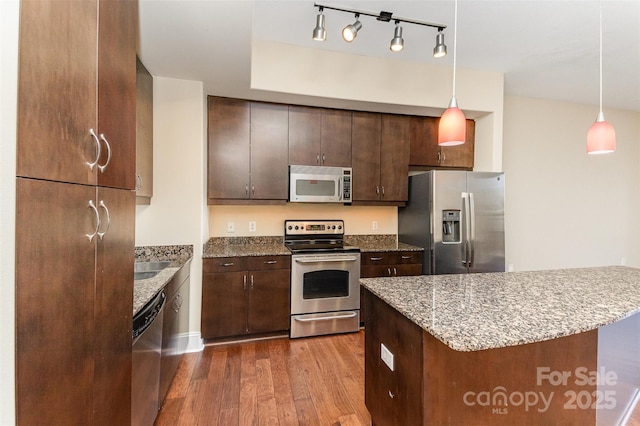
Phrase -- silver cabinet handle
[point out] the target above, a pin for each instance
(323, 158)
(138, 182)
(246, 189)
(270, 262)
(95, 210)
(377, 190)
(317, 158)
(106, 142)
(389, 271)
(103, 205)
(98, 150)
(395, 272)
(244, 282)
(382, 187)
(438, 157)
(251, 281)
(253, 189)
(391, 395)
(444, 157)
(375, 258)
(226, 265)
(176, 303)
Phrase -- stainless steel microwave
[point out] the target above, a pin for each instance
(319, 184)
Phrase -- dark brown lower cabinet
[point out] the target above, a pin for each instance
(245, 295)
(74, 302)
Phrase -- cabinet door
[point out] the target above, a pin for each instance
(336, 138)
(57, 90)
(229, 144)
(365, 155)
(461, 155)
(394, 157)
(224, 305)
(117, 35)
(114, 306)
(304, 135)
(269, 300)
(144, 134)
(424, 149)
(269, 151)
(55, 294)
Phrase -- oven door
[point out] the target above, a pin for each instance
(325, 282)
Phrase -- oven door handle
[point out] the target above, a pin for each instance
(349, 315)
(327, 259)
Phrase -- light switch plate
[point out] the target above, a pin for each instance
(231, 227)
(386, 356)
(252, 226)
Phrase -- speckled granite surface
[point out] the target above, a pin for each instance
(244, 246)
(387, 242)
(471, 312)
(144, 290)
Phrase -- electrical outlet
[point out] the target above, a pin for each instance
(386, 356)
(374, 225)
(252, 226)
(231, 227)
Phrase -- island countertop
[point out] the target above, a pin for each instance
(470, 312)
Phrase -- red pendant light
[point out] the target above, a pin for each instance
(601, 138)
(452, 128)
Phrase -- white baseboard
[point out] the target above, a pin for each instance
(193, 342)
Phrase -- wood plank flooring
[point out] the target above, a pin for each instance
(311, 381)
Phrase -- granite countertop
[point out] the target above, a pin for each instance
(272, 246)
(470, 312)
(379, 243)
(145, 290)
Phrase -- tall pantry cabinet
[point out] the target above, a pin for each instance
(75, 211)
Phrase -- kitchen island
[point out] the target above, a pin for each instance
(544, 347)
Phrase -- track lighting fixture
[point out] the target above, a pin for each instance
(397, 42)
(319, 32)
(441, 49)
(601, 138)
(350, 32)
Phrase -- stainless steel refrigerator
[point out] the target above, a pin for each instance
(458, 217)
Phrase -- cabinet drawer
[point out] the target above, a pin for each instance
(401, 257)
(376, 258)
(224, 264)
(262, 263)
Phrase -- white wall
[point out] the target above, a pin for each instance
(565, 208)
(9, 18)
(177, 214)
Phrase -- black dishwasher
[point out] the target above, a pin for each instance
(147, 347)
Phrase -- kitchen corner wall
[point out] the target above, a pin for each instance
(177, 213)
(9, 19)
(565, 208)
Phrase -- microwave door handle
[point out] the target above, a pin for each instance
(340, 188)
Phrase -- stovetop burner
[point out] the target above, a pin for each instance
(315, 236)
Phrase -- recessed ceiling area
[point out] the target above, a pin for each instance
(546, 49)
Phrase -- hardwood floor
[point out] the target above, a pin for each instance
(311, 381)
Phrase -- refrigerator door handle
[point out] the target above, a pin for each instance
(464, 247)
(472, 229)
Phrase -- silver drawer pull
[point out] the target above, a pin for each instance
(270, 262)
(227, 264)
(406, 257)
(350, 315)
(376, 258)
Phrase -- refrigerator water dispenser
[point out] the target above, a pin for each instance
(451, 226)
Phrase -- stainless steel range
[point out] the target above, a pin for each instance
(325, 278)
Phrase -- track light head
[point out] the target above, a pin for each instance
(350, 32)
(319, 32)
(397, 42)
(441, 49)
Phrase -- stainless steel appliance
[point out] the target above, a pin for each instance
(458, 217)
(325, 278)
(319, 184)
(147, 347)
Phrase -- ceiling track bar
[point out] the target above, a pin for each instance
(382, 16)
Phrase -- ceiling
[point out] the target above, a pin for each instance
(546, 49)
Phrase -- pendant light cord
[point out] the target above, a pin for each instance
(600, 4)
(455, 44)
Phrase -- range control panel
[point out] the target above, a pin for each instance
(313, 227)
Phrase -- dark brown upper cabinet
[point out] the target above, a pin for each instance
(319, 136)
(426, 152)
